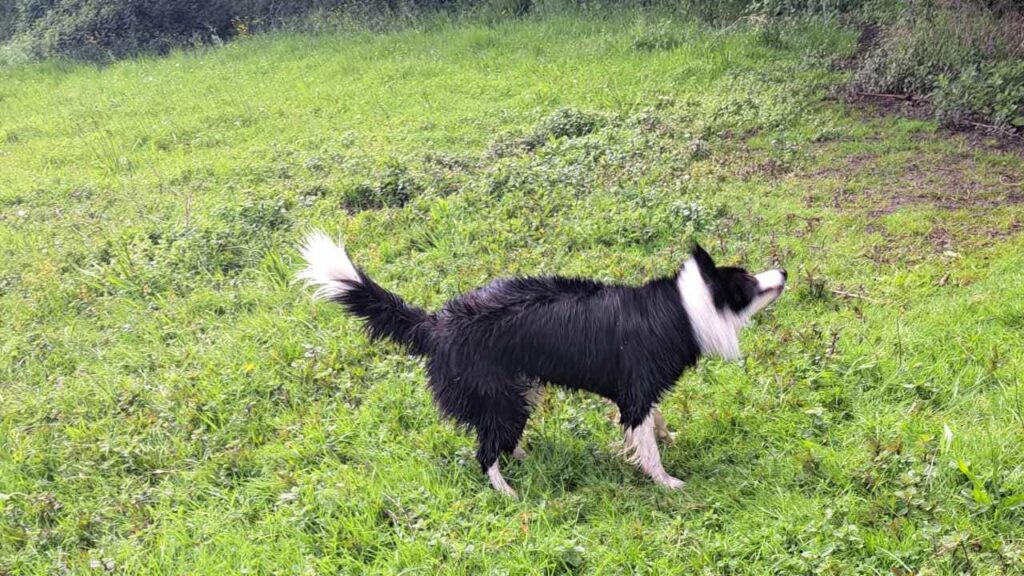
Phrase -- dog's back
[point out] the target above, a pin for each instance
(571, 332)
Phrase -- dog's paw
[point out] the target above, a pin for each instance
(671, 482)
(519, 453)
(508, 491)
(499, 483)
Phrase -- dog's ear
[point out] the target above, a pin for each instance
(704, 261)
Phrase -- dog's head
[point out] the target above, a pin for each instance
(720, 300)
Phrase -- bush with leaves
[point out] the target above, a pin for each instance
(107, 29)
(964, 58)
(992, 92)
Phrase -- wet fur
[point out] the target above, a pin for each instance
(488, 349)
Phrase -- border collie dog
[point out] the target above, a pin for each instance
(489, 351)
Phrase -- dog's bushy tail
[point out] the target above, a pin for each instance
(385, 314)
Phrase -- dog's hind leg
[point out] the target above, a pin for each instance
(498, 481)
(518, 453)
(499, 425)
(532, 397)
(487, 401)
(660, 427)
(642, 448)
(493, 439)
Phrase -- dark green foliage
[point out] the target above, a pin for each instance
(508, 8)
(107, 29)
(964, 58)
(803, 7)
(95, 29)
(8, 13)
(393, 187)
(994, 92)
(566, 123)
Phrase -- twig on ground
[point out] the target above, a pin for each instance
(906, 97)
(992, 128)
(838, 292)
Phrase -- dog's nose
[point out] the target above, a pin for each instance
(784, 275)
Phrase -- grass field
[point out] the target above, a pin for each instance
(171, 403)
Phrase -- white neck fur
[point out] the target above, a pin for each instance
(717, 331)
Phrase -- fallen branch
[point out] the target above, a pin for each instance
(992, 128)
(906, 97)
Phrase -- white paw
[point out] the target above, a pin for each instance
(519, 453)
(498, 481)
(507, 491)
(671, 482)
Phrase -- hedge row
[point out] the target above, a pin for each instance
(110, 29)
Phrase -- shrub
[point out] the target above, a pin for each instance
(993, 92)
(966, 58)
(775, 8)
(566, 123)
(8, 17)
(105, 29)
(395, 186)
(97, 29)
(506, 8)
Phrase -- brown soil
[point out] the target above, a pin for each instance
(952, 185)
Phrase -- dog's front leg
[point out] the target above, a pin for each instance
(642, 448)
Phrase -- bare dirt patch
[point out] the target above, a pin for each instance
(964, 183)
(888, 105)
(954, 185)
(851, 164)
(951, 182)
(885, 105)
(769, 168)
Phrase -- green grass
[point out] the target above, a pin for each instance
(171, 403)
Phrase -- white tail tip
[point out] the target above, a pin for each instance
(328, 266)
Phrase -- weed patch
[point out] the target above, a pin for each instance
(963, 60)
(662, 35)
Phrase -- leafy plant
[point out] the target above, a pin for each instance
(993, 92)
(965, 59)
(662, 35)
